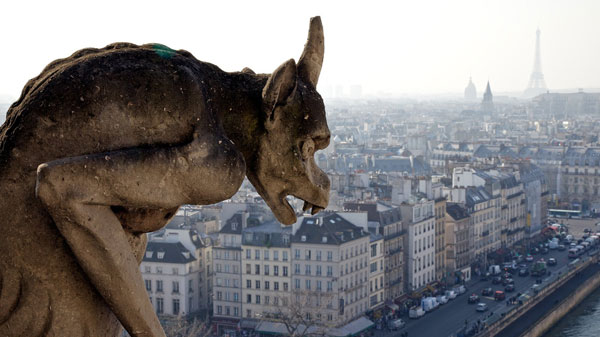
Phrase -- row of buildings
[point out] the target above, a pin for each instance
(403, 237)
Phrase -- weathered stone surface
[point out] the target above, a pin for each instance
(105, 145)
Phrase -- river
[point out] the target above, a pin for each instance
(583, 321)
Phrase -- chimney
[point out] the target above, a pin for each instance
(245, 216)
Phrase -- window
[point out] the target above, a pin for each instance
(236, 297)
(276, 270)
(266, 269)
(297, 268)
(248, 254)
(219, 295)
(373, 267)
(175, 271)
(319, 285)
(257, 254)
(307, 269)
(267, 285)
(318, 255)
(307, 254)
(267, 300)
(249, 284)
(307, 284)
(176, 287)
(285, 255)
(159, 286)
(148, 269)
(257, 299)
(148, 285)
(159, 305)
(175, 306)
(219, 309)
(248, 312)
(257, 284)
(285, 286)
(297, 254)
(329, 256)
(266, 254)
(236, 311)
(248, 268)
(297, 283)
(318, 270)
(276, 286)
(276, 255)
(190, 286)
(374, 250)
(227, 311)
(329, 286)
(329, 271)
(257, 269)
(275, 301)
(159, 270)
(285, 271)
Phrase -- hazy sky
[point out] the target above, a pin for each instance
(402, 47)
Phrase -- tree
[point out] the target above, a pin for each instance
(306, 315)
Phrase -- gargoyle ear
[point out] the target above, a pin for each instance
(247, 70)
(279, 86)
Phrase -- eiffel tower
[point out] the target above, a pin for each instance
(537, 85)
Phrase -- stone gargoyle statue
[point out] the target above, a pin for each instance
(105, 145)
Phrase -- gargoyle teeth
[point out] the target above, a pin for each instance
(316, 209)
(307, 206)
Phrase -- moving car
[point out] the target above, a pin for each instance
(529, 258)
(473, 299)
(552, 261)
(509, 288)
(523, 272)
(499, 295)
(508, 281)
(561, 247)
(497, 280)
(487, 292)
(481, 307)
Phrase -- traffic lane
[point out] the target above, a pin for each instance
(450, 317)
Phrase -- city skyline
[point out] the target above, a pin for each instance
(401, 49)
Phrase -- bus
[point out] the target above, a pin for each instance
(564, 213)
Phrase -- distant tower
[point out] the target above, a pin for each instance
(470, 91)
(537, 85)
(487, 105)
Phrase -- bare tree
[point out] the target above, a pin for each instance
(182, 327)
(305, 313)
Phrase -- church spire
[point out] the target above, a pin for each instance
(487, 105)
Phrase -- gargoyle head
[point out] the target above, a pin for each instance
(295, 128)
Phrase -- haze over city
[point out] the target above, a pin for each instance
(397, 48)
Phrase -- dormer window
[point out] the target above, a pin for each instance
(160, 255)
(303, 238)
(324, 240)
(234, 226)
(149, 254)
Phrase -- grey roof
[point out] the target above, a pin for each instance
(456, 211)
(174, 252)
(476, 195)
(271, 233)
(233, 225)
(336, 229)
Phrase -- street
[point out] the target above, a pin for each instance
(449, 318)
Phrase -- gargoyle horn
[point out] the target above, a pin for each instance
(311, 60)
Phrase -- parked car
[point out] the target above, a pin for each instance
(509, 288)
(497, 280)
(552, 261)
(561, 248)
(473, 299)
(481, 307)
(524, 272)
(397, 324)
(487, 292)
(486, 276)
(499, 295)
(529, 258)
